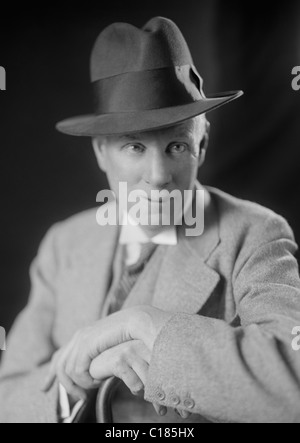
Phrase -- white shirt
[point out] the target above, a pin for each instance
(133, 236)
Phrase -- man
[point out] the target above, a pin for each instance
(195, 328)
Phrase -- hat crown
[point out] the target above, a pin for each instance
(142, 79)
(123, 48)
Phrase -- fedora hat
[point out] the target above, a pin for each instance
(142, 79)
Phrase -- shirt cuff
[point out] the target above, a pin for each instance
(65, 413)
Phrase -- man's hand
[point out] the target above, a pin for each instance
(128, 362)
(71, 365)
(119, 345)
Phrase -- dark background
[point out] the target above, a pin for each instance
(46, 176)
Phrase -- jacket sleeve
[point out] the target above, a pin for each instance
(246, 371)
(29, 348)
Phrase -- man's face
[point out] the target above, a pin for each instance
(158, 160)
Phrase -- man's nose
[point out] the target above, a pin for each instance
(158, 174)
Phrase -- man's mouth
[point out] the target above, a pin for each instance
(165, 197)
(160, 201)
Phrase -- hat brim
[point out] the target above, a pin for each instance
(141, 121)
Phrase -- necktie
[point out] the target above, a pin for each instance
(129, 277)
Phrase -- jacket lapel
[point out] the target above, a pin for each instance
(94, 268)
(185, 280)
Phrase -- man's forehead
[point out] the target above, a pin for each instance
(180, 130)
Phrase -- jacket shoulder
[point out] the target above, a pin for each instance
(77, 225)
(242, 218)
(76, 232)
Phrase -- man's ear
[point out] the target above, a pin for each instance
(204, 145)
(99, 153)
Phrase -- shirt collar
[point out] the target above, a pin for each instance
(131, 233)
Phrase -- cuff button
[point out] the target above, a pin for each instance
(161, 395)
(189, 403)
(175, 400)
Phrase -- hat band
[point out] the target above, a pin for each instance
(147, 90)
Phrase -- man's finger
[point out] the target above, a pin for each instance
(72, 389)
(160, 410)
(79, 375)
(48, 383)
(102, 367)
(51, 377)
(183, 414)
(131, 380)
(110, 363)
(141, 368)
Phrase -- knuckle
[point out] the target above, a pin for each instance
(78, 369)
(60, 373)
(130, 352)
(60, 370)
(81, 378)
(83, 382)
(120, 366)
(69, 368)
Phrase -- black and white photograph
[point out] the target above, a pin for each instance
(150, 215)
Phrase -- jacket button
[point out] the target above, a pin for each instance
(175, 400)
(161, 395)
(189, 403)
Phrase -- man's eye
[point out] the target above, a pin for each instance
(136, 149)
(179, 148)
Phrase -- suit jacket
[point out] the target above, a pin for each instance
(226, 352)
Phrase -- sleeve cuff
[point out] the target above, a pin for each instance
(67, 415)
